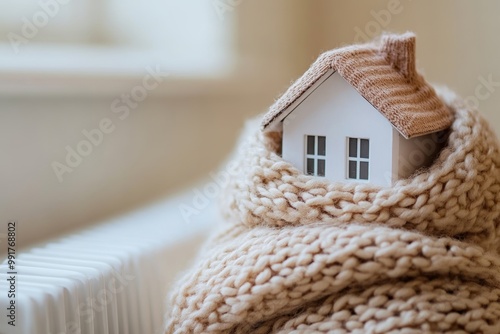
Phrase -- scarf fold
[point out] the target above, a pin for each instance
(304, 255)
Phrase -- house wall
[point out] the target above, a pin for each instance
(416, 153)
(336, 110)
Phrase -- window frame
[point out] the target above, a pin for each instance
(357, 159)
(316, 156)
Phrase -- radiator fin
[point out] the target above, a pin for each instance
(109, 279)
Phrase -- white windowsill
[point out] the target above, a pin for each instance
(95, 71)
(83, 59)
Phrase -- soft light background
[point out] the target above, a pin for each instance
(226, 61)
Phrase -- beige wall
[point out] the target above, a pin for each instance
(458, 41)
(162, 146)
(173, 140)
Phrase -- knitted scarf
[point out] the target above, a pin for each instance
(297, 254)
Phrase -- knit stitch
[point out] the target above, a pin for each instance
(300, 254)
(384, 74)
(297, 254)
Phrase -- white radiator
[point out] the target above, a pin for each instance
(111, 278)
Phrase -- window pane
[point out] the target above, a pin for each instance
(206, 28)
(352, 169)
(321, 167)
(310, 144)
(310, 167)
(363, 170)
(353, 147)
(365, 148)
(321, 145)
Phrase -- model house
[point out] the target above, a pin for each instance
(361, 113)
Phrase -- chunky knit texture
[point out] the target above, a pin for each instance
(297, 254)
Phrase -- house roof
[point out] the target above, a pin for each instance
(384, 74)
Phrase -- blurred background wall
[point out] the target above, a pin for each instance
(222, 62)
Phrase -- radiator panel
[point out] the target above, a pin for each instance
(109, 279)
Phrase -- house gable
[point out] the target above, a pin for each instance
(336, 110)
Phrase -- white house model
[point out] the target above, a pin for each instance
(361, 113)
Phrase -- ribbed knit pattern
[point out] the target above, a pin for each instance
(297, 254)
(384, 74)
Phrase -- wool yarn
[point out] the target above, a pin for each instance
(297, 254)
(384, 73)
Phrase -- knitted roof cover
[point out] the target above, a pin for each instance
(384, 74)
(296, 254)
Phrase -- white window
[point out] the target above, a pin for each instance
(358, 159)
(185, 38)
(315, 163)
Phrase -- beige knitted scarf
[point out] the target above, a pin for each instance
(297, 254)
